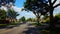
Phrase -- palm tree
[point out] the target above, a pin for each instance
(12, 14)
(2, 14)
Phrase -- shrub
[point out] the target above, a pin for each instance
(3, 25)
(48, 21)
(4, 22)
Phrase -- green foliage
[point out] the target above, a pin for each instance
(56, 31)
(12, 14)
(13, 23)
(36, 6)
(57, 16)
(40, 24)
(46, 31)
(29, 19)
(22, 19)
(3, 25)
(2, 14)
(33, 19)
(48, 21)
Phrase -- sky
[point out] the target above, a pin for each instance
(19, 5)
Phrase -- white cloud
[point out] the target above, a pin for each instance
(26, 14)
(3, 8)
(17, 9)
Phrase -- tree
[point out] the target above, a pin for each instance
(57, 15)
(29, 19)
(2, 14)
(57, 21)
(12, 14)
(42, 7)
(37, 7)
(51, 9)
(23, 19)
(4, 2)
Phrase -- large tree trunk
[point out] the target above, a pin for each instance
(51, 15)
(51, 20)
(38, 20)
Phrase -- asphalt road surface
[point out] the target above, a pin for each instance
(21, 29)
(15, 30)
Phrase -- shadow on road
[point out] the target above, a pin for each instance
(32, 30)
(11, 26)
(3, 27)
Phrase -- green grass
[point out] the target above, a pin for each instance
(40, 24)
(12, 23)
(50, 32)
(2, 25)
(46, 31)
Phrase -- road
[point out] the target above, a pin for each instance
(27, 28)
(16, 30)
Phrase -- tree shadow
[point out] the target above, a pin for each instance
(11, 26)
(3, 27)
(7, 27)
(32, 30)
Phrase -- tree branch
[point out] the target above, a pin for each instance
(54, 2)
(49, 2)
(56, 5)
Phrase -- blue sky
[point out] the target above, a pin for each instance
(20, 3)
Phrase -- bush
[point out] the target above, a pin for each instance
(4, 22)
(48, 21)
(40, 24)
(3, 25)
(13, 23)
(56, 18)
(46, 31)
